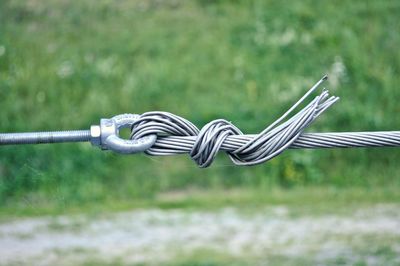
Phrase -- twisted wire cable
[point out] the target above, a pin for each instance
(176, 135)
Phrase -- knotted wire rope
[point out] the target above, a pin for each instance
(176, 135)
(163, 133)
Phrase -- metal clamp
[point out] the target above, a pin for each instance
(106, 135)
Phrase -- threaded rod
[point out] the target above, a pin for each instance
(45, 137)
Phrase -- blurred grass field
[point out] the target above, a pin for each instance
(66, 64)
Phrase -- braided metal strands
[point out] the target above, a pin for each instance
(347, 140)
(175, 134)
(304, 141)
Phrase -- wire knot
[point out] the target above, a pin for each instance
(210, 139)
(176, 135)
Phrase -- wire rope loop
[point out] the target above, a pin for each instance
(177, 135)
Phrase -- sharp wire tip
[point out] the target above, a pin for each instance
(325, 77)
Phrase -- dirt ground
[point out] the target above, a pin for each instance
(152, 236)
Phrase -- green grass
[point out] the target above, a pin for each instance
(66, 64)
(308, 200)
